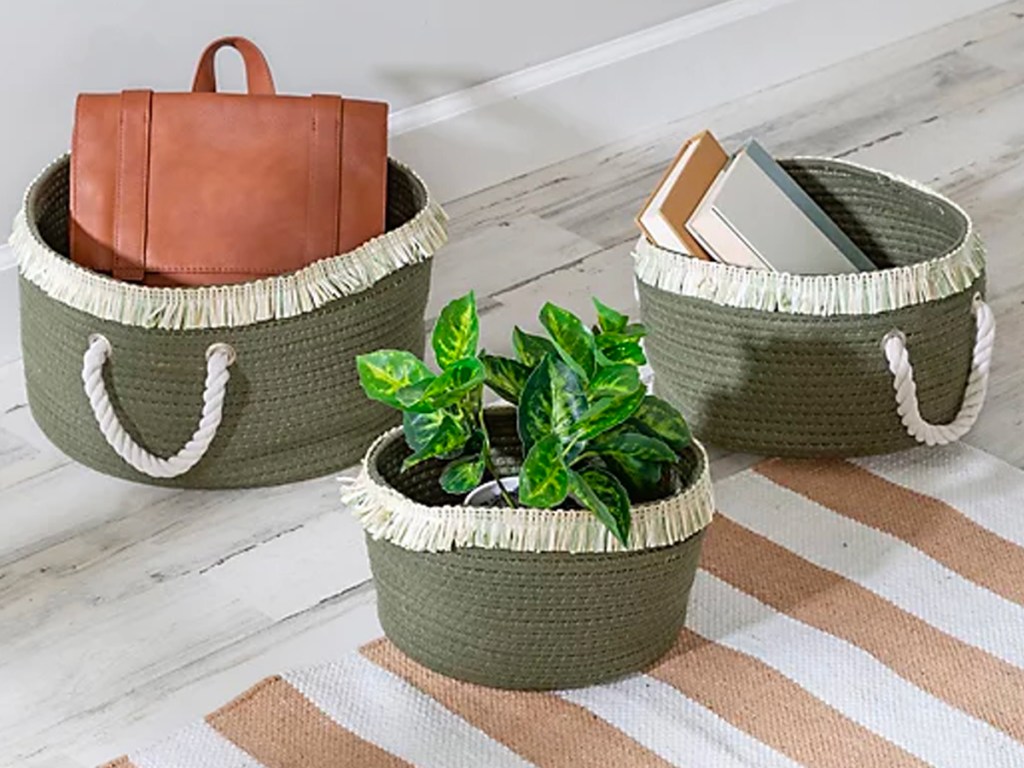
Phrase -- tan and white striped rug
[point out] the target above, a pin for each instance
(866, 613)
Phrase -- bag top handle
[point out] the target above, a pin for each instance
(257, 71)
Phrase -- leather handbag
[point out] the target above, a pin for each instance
(205, 187)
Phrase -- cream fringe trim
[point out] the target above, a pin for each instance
(861, 293)
(227, 306)
(387, 514)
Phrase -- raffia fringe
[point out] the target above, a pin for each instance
(387, 514)
(227, 306)
(861, 293)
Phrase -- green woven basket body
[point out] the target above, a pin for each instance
(526, 620)
(790, 384)
(293, 408)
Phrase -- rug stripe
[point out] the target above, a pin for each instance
(848, 678)
(674, 726)
(772, 708)
(195, 746)
(986, 489)
(386, 710)
(877, 561)
(934, 527)
(281, 728)
(549, 731)
(966, 677)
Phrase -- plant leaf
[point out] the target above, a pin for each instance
(616, 379)
(572, 338)
(601, 492)
(446, 389)
(457, 331)
(644, 480)
(448, 437)
(626, 444)
(531, 349)
(608, 319)
(419, 428)
(544, 478)
(659, 419)
(384, 372)
(552, 401)
(505, 376)
(463, 475)
(607, 413)
(621, 350)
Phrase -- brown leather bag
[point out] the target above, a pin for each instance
(205, 187)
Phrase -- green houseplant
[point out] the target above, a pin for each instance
(580, 571)
(588, 430)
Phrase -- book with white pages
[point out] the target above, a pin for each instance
(747, 220)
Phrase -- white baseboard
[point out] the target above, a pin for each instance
(472, 139)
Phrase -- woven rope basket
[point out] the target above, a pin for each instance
(222, 386)
(801, 365)
(524, 598)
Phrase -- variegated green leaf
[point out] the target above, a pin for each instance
(606, 413)
(463, 475)
(505, 376)
(457, 331)
(601, 492)
(544, 478)
(552, 401)
(574, 341)
(613, 380)
(448, 438)
(531, 349)
(383, 373)
(608, 319)
(659, 419)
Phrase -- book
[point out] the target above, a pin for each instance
(663, 217)
(748, 220)
(806, 203)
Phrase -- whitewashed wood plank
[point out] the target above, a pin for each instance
(494, 257)
(298, 569)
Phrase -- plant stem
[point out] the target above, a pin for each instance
(489, 463)
(488, 460)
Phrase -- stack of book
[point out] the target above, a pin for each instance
(744, 210)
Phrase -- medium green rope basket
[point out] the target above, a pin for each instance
(818, 365)
(525, 598)
(220, 386)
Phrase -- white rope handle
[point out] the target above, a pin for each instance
(895, 345)
(219, 358)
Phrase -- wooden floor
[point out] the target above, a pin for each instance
(126, 611)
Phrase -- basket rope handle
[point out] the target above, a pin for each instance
(219, 358)
(895, 346)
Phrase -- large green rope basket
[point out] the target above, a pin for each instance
(220, 386)
(816, 365)
(524, 598)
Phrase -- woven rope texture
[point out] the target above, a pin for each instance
(527, 620)
(796, 385)
(293, 407)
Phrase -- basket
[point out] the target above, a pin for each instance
(218, 386)
(817, 365)
(524, 598)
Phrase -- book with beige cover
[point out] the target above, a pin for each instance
(663, 217)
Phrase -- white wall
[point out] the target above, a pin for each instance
(402, 51)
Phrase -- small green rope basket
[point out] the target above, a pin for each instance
(529, 599)
(829, 365)
(218, 386)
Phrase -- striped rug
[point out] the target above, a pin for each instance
(864, 613)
